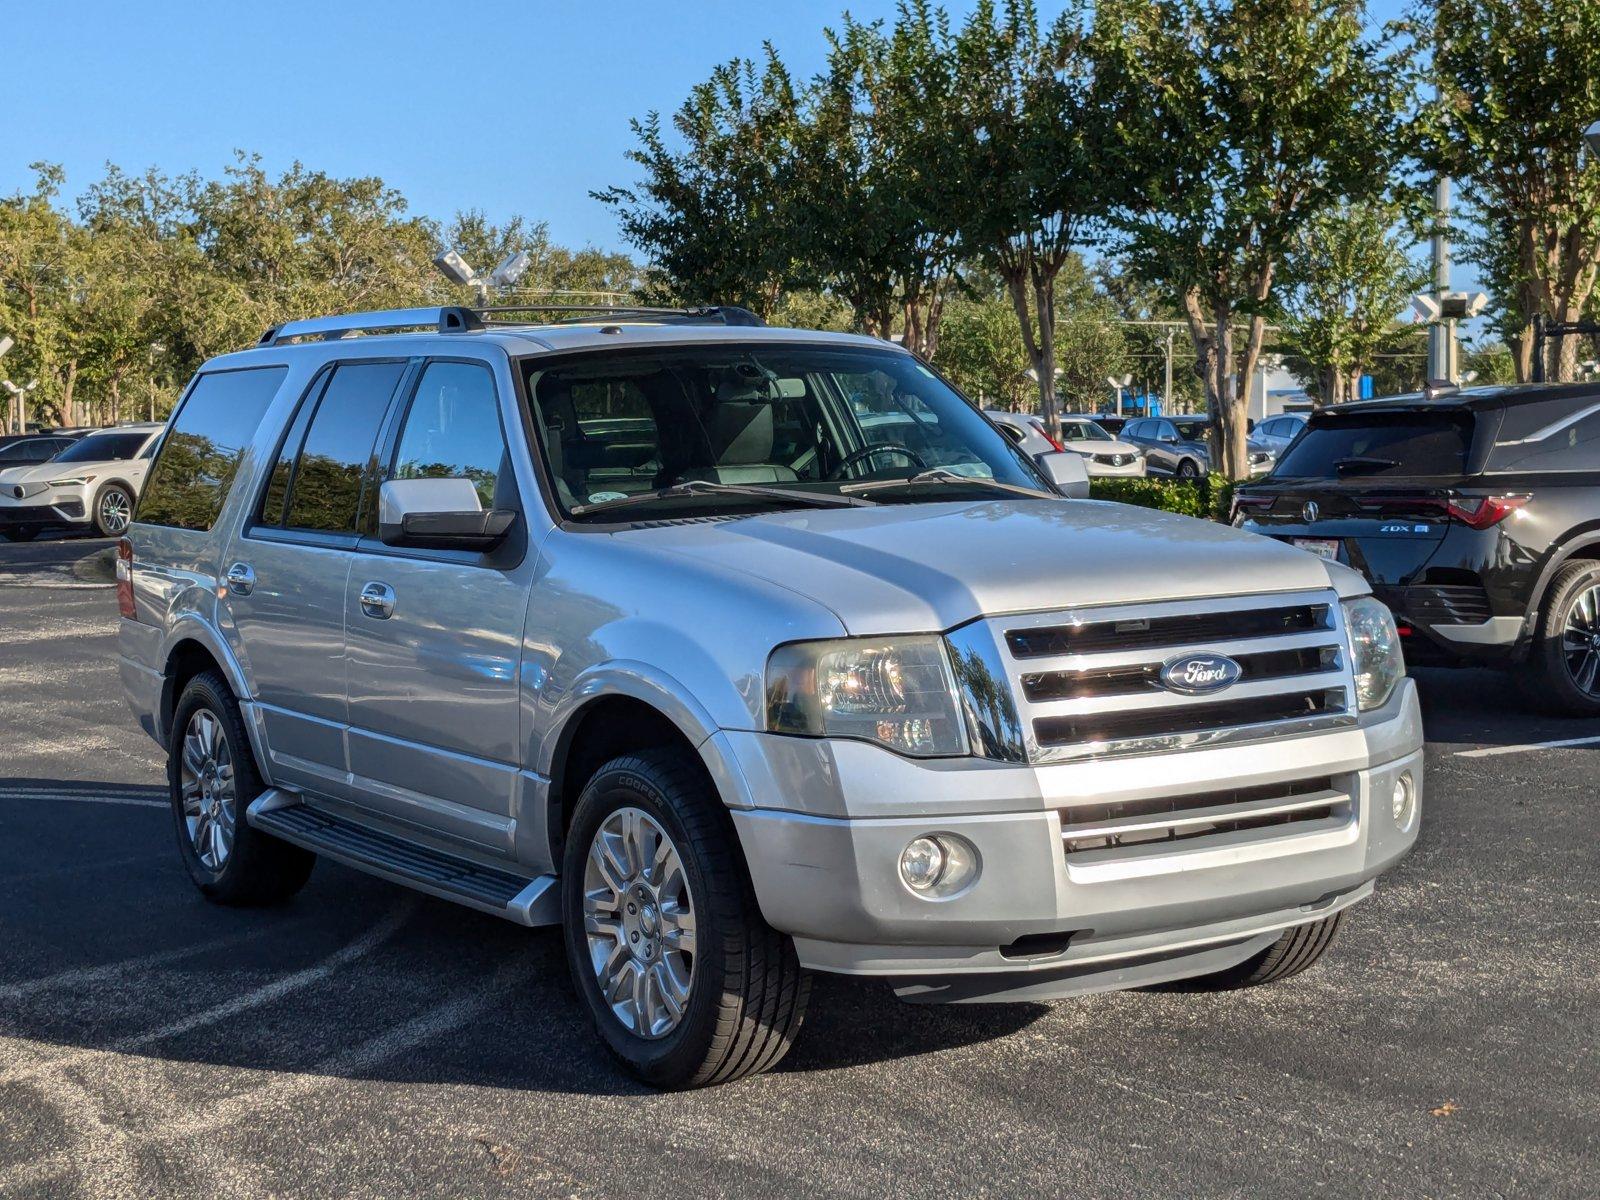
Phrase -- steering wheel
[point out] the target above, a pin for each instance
(869, 452)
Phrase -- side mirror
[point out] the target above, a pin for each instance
(1067, 473)
(439, 514)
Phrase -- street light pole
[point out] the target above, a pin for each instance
(155, 349)
(1166, 393)
(1441, 334)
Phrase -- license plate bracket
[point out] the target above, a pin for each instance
(1327, 548)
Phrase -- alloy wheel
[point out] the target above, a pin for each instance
(639, 922)
(115, 509)
(1580, 640)
(206, 778)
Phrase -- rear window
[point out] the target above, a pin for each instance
(1378, 445)
(195, 467)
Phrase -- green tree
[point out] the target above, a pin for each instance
(712, 217)
(981, 350)
(1256, 116)
(1519, 84)
(1033, 180)
(1346, 277)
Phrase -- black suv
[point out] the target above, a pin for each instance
(1475, 515)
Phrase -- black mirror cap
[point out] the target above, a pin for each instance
(478, 530)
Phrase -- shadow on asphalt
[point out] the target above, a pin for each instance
(1474, 705)
(108, 947)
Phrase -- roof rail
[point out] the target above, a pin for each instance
(711, 314)
(1436, 389)
(449, 318)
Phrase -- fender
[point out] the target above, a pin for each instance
(1560, 554)
(190, 626)
(652, 686)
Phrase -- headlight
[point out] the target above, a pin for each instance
(897, 692)
(1375, 655)
(72, 480)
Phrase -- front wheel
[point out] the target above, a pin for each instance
(1188, 469)
(685, 982)
(1562, 671)
(1292, 953)
(113, 510)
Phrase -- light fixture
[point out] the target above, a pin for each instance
(454, 268)
(513, 268)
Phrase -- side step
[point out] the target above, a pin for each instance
(527, 901)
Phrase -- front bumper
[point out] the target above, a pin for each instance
(57, 506)
(829, 820)
(1100, 470)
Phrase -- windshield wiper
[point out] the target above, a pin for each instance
(706, 487)
(1361, 462)
(943, 475)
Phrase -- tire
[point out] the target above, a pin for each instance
(1561, 674)
(1292, 953)
(119, 500)
(256, 868)
(1187, 469)
(746, 991)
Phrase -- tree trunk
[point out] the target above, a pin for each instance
(1045, 301)
(66, 396)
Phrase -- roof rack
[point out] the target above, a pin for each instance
(453, 318)
(711, 314)
(449, 318)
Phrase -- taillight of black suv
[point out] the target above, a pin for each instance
(1476, 517)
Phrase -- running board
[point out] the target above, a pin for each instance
(517, 898)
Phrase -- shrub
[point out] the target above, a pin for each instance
(1202, 498)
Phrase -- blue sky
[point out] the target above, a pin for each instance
(390, 89)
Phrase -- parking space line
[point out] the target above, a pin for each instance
(1525, 747)
(85, 798)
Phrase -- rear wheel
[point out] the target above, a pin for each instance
(1562, 670)
(113, 510)
(685, 982)
(1292, 953)
(212, 778)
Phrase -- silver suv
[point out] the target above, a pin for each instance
(741, 653)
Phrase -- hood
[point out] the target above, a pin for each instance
(921, 567)
(36, 478)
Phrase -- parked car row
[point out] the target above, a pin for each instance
(90, 481)
(1103, 454)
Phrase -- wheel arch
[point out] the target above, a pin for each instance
(1583, 544)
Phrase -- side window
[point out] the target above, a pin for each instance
(452, 430)
(331, 463)
(190, 479)
(1135, 430)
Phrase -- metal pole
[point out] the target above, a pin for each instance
(1166, 394)
(1441, 334)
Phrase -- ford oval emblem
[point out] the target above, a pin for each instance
(1197, 674)
(1310, 512)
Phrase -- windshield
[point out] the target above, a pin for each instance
(1351, 445)
(1192, 431)
(778, 423)
(104, 447)
(1083, 431)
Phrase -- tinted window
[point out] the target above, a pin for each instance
(1558, 438)
(1191, 431)
(194, 470)
(21, 450)
(452, 430)
(1351, 445)
(332, 463)
(105, 447)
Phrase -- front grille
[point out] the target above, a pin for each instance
(1141, 677)
(1114, 680)
(1187, 718)
(1113, 460)
(1182, 629)
(1099, 832)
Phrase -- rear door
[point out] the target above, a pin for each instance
(1368, 487)
(434, 702)
(285, 575)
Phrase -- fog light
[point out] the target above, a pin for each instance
(1403, 803)
(939, 865)
(922, 863)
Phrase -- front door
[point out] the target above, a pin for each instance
(434, 637)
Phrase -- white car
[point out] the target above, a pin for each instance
(1103, 454)
(94, 482)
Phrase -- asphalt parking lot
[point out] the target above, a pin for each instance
(365, 1041)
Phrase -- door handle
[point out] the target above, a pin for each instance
(241, 577)
(377, 600)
